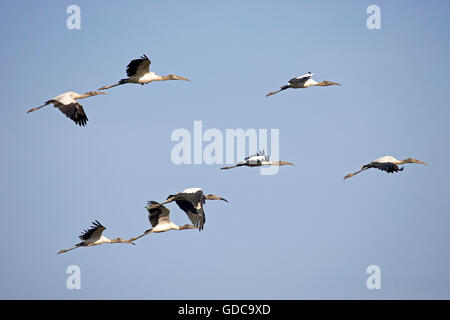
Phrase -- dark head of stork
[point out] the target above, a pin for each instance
(214, 197)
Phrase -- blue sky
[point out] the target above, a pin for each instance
(303, 233)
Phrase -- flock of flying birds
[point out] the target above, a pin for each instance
(190, 200)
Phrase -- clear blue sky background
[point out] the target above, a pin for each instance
(303, 233)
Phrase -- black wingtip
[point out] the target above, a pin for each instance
(97, 224)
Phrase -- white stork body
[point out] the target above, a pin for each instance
(164, 227)
(94, 236)
(257, 160)
(96, 241)
(159, 218)
(67, 103)
(138, 71)
(386, 163)
(146, 78)
(191, 201)
(303, 81)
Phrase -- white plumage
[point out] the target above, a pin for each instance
(191, 190)
(159, 217)
(257, 160)
(138, 71)
(386, 163)
(191, 201)
(67, 103)
(303, 81)
(94, 236)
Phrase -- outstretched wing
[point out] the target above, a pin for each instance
(94, 232)
(192, 204)
(74, 111)
(257, 154)
(138, 67)
(301, 78)
(388, 167)
(157, 215)
(196, 215)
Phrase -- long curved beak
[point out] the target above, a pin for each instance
(282, 163)
(334, 83)
(220, 198)
(214, 197)
(421, 162)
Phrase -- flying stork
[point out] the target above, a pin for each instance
(160, 221)
(257, 160)
(191, 201)
(387, 163)
(138, 71)
(67, 103)
(94, 236)
(304, 81)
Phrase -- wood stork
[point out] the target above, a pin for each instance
(160, 221)
(94, 236)
(67, 103)
(191, 201)
(304, 81)
(257, 160)
(387, 163)
(138, 71)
